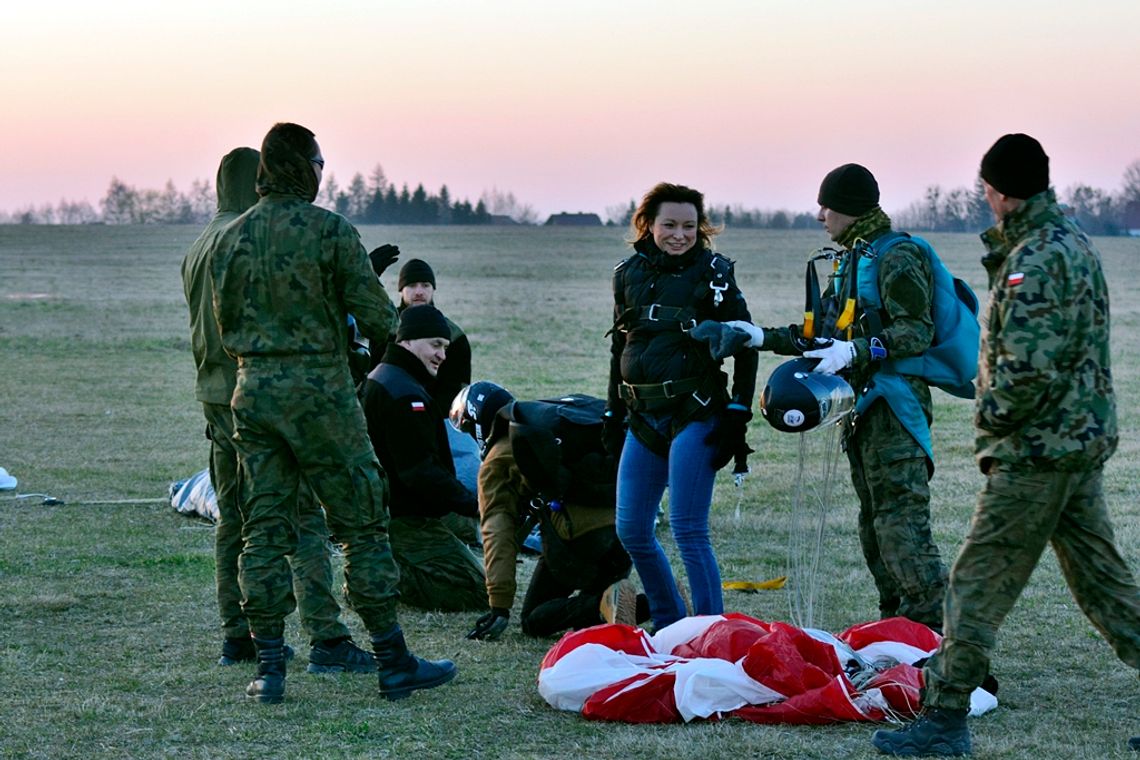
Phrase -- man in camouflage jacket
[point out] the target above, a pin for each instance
(286, 276)
(216, 377)
(1046, 420)
(890, 470)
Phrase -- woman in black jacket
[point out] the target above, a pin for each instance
(683, 424)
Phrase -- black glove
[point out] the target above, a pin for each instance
(383, 257)
(613, 433)
(491, 626)
(729, 437)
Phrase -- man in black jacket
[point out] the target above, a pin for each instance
(437, 570)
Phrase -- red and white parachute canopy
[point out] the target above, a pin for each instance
(719, 665)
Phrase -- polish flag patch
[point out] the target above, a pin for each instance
(417, 406)
(1015, 279)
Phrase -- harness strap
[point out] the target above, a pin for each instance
(670, 389)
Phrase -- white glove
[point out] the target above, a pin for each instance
(755, 334)
(838, 356)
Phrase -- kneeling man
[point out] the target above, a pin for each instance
(437, 570)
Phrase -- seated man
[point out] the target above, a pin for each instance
(437, 571)
(545, 460)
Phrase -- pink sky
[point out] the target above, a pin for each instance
(572, 107)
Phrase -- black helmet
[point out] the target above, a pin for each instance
(474, 408)
(797, 399)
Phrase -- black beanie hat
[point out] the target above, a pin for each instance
(416, 270)
(422, 322)
(849, 189)
(1016, 166)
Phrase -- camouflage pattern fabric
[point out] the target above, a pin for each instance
(1019, 514)
(1046, 422)
(889, 469)
(906, 288)
(889, 472)
(312, 570)
(286, 276)
(295, 419)
(437, 570)
(1045, 395)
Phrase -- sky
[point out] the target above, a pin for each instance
(570, 106)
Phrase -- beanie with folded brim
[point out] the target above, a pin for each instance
(1016, 165)
(416, 270)
(422, 322)
(850, 189)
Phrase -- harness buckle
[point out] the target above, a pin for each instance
(651, 315)
(718, 292)
(702, 401)
(667, 389)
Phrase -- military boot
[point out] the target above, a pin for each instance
(936, 732)
(401, 672)
(269, 684)
(237, 649)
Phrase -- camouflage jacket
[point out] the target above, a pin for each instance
(906, 288)
(287, 274)
(217, 370)
(1045, 398)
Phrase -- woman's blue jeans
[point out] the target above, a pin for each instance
(689, 475)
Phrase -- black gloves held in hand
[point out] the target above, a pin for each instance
(730, 436)
(491, 625)
(613, 433)
(383, 257)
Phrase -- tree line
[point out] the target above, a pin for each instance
(374, 200)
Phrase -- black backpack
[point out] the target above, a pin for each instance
(557, 445)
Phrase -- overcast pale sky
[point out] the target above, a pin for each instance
(571, 106)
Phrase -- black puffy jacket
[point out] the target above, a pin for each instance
(658, 298)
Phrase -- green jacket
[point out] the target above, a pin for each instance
(1045, 398)
(288, 273)
(217, 370)
(906, 288)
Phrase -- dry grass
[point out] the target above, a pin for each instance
(109, 623)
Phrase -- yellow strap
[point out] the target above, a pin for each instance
(753, 586)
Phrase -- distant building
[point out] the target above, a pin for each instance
(502, 219)
(1132, 218)
(574, 220)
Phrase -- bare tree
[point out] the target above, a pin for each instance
(1131, 189)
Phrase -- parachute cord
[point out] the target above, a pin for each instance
(738, 481)
(805, 542)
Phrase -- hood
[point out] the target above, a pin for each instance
(237, 180)
(284, 171)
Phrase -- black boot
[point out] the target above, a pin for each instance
(1134, 743)
(237, 649)
(936, 732)
(401, 672)
(269, 684)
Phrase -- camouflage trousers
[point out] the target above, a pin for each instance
(890, 475)
(1018, 514)
(437, 570)
(297, 420)
(312, 570)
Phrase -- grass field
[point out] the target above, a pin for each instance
(110, 636)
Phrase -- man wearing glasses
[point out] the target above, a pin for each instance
(286, 275)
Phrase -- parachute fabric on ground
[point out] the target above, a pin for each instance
(195, 496)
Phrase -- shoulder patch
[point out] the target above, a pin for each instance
(418, 406)
(1015, 279)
